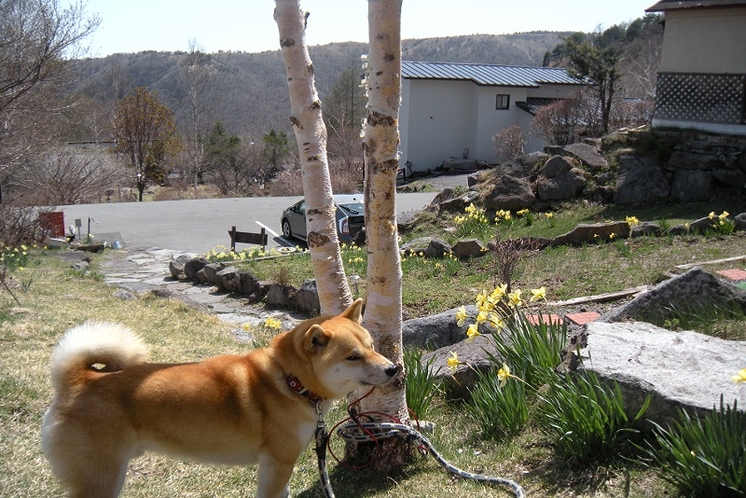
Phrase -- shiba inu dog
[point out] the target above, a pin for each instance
(110, 405)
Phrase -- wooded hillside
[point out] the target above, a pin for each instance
(247, 92)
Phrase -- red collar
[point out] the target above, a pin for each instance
(298, 388)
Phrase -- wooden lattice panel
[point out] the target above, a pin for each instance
(715, 98)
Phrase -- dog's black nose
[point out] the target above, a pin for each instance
(392, 370)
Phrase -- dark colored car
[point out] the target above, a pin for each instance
(350, 216)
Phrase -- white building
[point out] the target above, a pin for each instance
(454, 109)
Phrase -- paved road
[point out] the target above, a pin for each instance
(195, 226)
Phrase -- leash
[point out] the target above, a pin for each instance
(373, 431)
(351, 429)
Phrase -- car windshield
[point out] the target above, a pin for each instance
(354, 208)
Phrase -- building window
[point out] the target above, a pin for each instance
(502, 101)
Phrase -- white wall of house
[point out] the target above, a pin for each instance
(705, 41)
(436, 121)
(444, 118)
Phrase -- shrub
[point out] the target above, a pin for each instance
(422, 383)
(586, 420)
(702, 456)
(535, 350)
(500, 408)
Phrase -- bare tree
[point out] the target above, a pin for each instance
(145, 133)
(62, 177)
(37, 39)
(556, 122)
(310, 134)
(509, 142)
(195, 71)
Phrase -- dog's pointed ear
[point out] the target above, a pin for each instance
(315, 338)
(354, 311)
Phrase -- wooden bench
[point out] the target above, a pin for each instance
(248, 238)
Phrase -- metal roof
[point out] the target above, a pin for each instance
(488, 74)
(665, 5)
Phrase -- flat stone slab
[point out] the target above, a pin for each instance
(679, 369)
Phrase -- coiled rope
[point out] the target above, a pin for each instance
(352, 429)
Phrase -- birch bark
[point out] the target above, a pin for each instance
(310, 133)
(384, 282)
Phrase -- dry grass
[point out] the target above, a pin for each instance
(59, 298)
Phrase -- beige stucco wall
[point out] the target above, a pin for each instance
(705, 41)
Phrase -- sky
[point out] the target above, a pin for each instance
(248, 25)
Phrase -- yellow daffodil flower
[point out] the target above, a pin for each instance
(632, 220)
(499, 293)
(472, 332)
(514, 298)
(740, 376)
(495, 321)
(461, 316)
(453, 362)
(503, 375)
(540, 293)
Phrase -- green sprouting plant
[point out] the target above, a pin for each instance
(623, 248)
(535, 349)
(550, 219)
(422, 384)
(702, 456)
(722, 223)
(473, 223)
(532, 348)
(14, 259)
(724, 321)
(499, 407)
(222, 253)
(585, 419)
(504, 218)
(527, 215)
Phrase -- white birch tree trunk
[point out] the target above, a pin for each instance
(310, 133)
(384, 282)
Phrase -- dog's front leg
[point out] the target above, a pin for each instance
(273, 478)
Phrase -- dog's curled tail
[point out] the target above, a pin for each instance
(109, 347)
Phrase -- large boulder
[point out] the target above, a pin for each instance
(474, 356)
(435, 331)
(555, 166)
(565, 185)
(307, 297)
(678, 369)
(227, 279)
(176, 266)
(692, 292)
(438, 248)
(640, 180)
(192, 266)
(508, 193)
(522, 166)
(592, 233)
(457, 204)
(469, 248)
(588, 155)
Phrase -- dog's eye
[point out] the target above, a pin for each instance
(354, 357)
